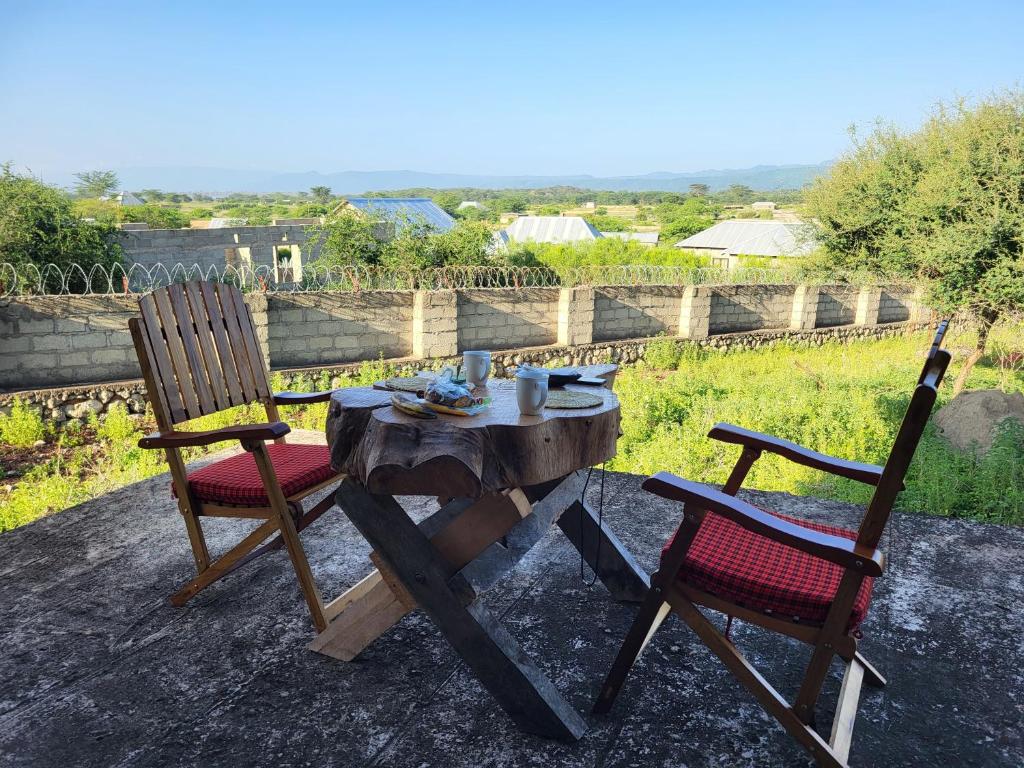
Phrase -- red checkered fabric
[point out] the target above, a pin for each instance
(236, 480)
(749, 570)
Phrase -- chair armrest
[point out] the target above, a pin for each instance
(835, 549)
(852, 470)
(303, 398)
(175, 439)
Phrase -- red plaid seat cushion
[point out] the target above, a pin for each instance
(747, 569)
(236, 480)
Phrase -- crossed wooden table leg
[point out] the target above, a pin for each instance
(445, 562)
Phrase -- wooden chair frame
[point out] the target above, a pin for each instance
(859, 559)
(199, 354)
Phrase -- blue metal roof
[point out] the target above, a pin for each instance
(402, 209)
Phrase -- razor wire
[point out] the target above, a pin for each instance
(78, 280)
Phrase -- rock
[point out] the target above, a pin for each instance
(56, 414)
(38, 443)
(969, 420)
(136, 403)
(83, 409)
(106, 396)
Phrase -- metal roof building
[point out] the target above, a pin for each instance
(752, 237)
(399, 210)
(551, 229)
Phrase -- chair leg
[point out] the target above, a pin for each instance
(289, 534)
(652, 613)
(224, 565)
(769, 699)
(196, 539)
(306, 583)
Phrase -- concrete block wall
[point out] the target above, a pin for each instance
(737, 308)
(206, 247)
(837, 305)
(630, 312)
(47, 340)
(505, 318)
(312, 328)
(895, 306)
(54, 341)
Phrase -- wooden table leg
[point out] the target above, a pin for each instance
(460, 531)
(518, 685)
(617, 569)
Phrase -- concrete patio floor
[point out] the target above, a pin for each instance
(97, 669)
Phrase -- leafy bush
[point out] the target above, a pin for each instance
(602, 252)
(39, 225)
(608, 223)
(23, 427)
(156, 216)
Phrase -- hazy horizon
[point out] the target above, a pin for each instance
(539, 90)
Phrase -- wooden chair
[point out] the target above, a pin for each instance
(809, 581)
(199, 354)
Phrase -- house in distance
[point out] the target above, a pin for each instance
(727, 242)
(400, 212)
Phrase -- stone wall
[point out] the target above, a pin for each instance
(64, 341)
(628, 312)
(317, 328)
(506, 318)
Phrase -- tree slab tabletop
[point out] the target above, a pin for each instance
(390, 452)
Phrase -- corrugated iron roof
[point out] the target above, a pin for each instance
(400, 209)
(551, 229)
(754, 238)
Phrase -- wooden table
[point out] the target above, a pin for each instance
(501, 479)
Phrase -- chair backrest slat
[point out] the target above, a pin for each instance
(905, 445)
(220, 339)
(186, 327)
(207, 346)
(176, 350)
(165, 379)
(233, 326)
(198, 349)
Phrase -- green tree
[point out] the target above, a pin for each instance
(96, 183)
(346, 239)
(152, 195)
(943, 206)
(321, 193)
(156, 216)
(39, 226)
(448, 200)
(699, 190)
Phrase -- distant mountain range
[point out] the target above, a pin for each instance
(224, 180)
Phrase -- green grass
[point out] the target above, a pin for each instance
(844, 400)
(82, 464)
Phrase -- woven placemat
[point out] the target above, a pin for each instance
(408, 384)
(570, 398)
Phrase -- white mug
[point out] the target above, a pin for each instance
(476, 366)
(531, 391)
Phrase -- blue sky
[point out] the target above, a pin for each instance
(512, 88)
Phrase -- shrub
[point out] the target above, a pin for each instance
(23, 427)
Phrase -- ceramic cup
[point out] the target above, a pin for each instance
(476, 366)
(531, 391)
